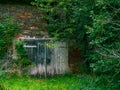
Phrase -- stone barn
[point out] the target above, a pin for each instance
(50, 57)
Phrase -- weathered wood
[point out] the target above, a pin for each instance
(30, 46)
(45, 60)
(35, 39)
(43, 49)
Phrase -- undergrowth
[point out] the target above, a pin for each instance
(68, 82)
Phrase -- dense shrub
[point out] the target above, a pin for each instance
(103, 38)
(8, 28)
(66, 19)
(94, 25)
(22, 60)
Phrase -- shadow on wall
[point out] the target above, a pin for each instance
(75, 60)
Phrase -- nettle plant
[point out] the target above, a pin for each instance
(8, 28)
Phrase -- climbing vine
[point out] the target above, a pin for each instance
(8, 28)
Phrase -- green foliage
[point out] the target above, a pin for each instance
(65, 19)
(103, 38)
(2, 66)
(8, 28)
(22, 59)
(2, 87)
(72, 82)
(94, 25)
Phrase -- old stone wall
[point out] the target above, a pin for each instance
(31, 24)
(28, 18)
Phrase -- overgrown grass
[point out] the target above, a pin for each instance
(71, 82)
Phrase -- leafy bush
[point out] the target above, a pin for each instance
(93, 25)
(8, 28)
(22, 59)
(65, 19)
(103, 37)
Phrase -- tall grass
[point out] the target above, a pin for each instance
(71, 82)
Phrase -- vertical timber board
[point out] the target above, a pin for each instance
(63, 57)
(53, 59)
(60, 57)
(56, 55)
(45, 59)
